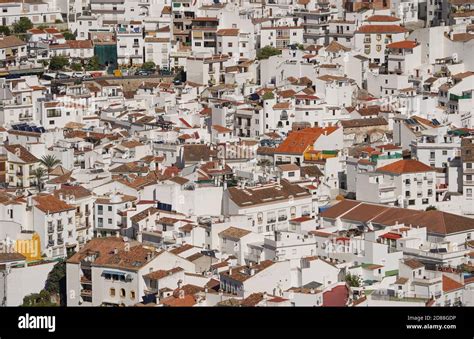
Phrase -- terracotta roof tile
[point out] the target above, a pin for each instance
(405, 166)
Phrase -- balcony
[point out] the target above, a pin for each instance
(282, 218)
(50, 243)
(60, 241)
(60, 228)
(51, 229)
(86, 293)
(85, 280)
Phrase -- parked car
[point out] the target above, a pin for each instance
(78, 75)
(87, 77)
(62, 76)
(143, 72)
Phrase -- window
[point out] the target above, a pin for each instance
(132, 295)
(229, 44)
(445, 152)
(122, 293)
(109, 208)
(432, 155)
(112, 292)
(379, 48)
(469, 192)
(291, 174)
(109, 221)
(100, 209)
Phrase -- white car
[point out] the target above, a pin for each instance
(78, 75)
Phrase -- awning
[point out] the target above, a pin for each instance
(113, 272)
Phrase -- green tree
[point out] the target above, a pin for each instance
(56, 281)
(58, 63)
(93, 64)
(431, 208)
(76, 67)
(149, 66)
(49, 161)
(68, 35)
(353, 280)
(41, 299)
(266, 52)
(39, 174)
(22, 25)
(5, 30)
(268, 96)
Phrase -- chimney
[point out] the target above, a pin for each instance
(180, 282)
(115, 250)
(230, 271)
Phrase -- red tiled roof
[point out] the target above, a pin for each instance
(337, 297)
(390, 235)
(221, 129)
(450, 284)
(228, 32)
(51, 204)
(381, 29)
(405, 166)
(406, 44)
(297, 142)
(382, 18)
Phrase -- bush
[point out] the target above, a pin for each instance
(58, 63)
(353, 280)
(76, 67)
(266, 52)
(268, 96)
(5, 30)
(149, 66)
(68, 35)
(93, 64)
(22, 25)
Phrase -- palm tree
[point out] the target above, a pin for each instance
(39, 174)
(49, 161)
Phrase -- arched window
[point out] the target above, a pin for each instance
(122, 293)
